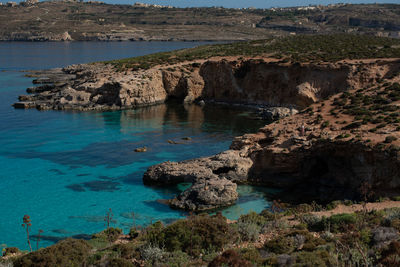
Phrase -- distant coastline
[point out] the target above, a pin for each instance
(97, 21)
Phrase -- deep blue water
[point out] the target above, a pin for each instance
(66, 169)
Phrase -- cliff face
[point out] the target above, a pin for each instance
(337, 148)
(262, 81)
(313, 168)
(273, 84)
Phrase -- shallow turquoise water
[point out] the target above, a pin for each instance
(66, 169)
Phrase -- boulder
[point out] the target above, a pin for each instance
(207, 194)
(212, 177)
(276, 113)
(228, 164)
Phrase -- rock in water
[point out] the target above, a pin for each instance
(212, 177)
(207, 195)
(228, 164)
(141, 149)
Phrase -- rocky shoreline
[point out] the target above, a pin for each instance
(263, 82)
(309, 152)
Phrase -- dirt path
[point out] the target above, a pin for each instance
(357, 207)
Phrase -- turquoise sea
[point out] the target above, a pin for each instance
(66, 169)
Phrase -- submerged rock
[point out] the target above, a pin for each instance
(141, 149)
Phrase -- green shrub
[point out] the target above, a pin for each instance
(193, 235)
(390, 139)
(133, 233)
(177, 259)
(111, 234)
(352, 125)
(280, 245)
(395, 223)
(325, 124)
(390, 255)
(252, 255)
(318, 258)
(310, 220)
(338, 221)
(118, 262)
(268, 215)
(294, 240)
(69, 252)
(249, 226)
(396, 198)
(152, 254)
(127, 251)
(253, 217)
(248, 231)
(229, 258)
(348, 202)
(332, 205)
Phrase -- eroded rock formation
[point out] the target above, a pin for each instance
(212, 179)
(261, 82)
(300, 154)
(312, 155)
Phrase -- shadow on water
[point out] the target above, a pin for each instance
(96, 186)
(152, 126)
(55, 239)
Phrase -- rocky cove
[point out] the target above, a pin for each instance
(313, 154)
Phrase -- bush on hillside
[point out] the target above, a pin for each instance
(193, 235)
(69, 252)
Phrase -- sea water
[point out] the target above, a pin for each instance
(67, 169)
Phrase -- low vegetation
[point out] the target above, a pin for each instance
(295, 235)
(305, 48)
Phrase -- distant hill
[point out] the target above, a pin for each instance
(64, 21)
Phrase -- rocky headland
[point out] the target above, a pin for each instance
(325, 152)
(345, 137)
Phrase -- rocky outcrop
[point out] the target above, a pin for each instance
(212, 179)
(322, 153)
(94, 87)
(300, 153)
(206, 194)
(275, 113)
(229, 164)
(264, 82)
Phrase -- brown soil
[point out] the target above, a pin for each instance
(358, 207)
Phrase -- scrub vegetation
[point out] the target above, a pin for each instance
(304, 48)
(299, 235)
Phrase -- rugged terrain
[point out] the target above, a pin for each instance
(342, 144)
(327, 151)
(68, 21)
(346, 135)
(339, 234)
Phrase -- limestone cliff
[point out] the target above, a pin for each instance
(331, 150)
(347, 137)
(251, 81)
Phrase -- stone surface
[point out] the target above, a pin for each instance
(276, 113)
(207, 194)
(229, 164)
(246, 81)
(212, 179)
